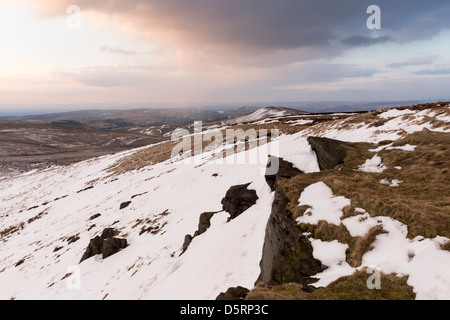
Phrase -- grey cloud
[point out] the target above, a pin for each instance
(261, 27)
(433, 72)
(358, 40)
(412, 62)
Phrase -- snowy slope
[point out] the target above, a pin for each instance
(228, 254)
(264, 113)
(42, 211)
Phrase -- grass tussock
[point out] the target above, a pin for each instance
(352, 287)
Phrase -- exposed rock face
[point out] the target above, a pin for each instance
(287, 254)
(203, 224)
(238, 199)
(105, 244)
(286, 170)
(187, 241)
(112, 245)
(329, 152)
(234, 293)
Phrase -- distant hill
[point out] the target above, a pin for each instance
(265, 113)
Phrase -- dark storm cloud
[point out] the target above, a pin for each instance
(274, 25)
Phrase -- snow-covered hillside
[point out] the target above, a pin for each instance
(264, 113)
(48, 218)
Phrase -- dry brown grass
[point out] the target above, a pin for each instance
(352, 287)
(422, 201)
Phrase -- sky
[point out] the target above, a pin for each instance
(172, 53)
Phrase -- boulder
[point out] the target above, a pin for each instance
(234, 293)
(125, 204)
(111, 246)
(105, 244)
(329, 152)
(238, 199)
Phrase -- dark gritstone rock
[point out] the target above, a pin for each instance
(203, 224)
(95, 216)
(112, 245)
(123, 205)
(287, 254)
(105, 244)
(187, 241)
(19, 263)
(285, 170)
(234, 293)
(238, 199)
(107, 233)
(329, 152)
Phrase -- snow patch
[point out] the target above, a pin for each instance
(324, 205)
(332, 255)
(395, 113)
(373, 165)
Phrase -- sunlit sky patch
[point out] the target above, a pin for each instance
(197, 52)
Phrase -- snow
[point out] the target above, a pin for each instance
(263, 113)
(298, 151)
(226, 255)
(324, 205)
(381, 148)
(359, 225)
(395, 183)
(421, 259)
(406, 147)
(332, 255)
(373, 165)
(392, 129)
(395, 113)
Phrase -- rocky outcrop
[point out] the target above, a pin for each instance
(287, 254)
(203, 224)
(329, 152)
(106, 244)
(285, 170)
(238, 199)
(234, 293)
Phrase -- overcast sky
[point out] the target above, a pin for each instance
(201, 52)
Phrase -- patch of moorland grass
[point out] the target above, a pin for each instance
(352, 287)
(422, 200)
